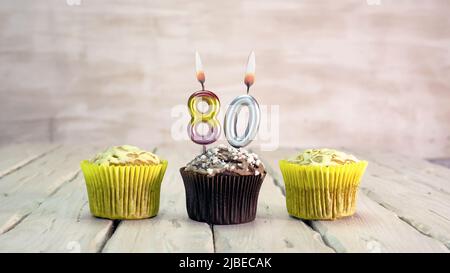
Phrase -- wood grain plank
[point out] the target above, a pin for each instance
(374, 227)
(272, 231)
(414, 169)
(416, 190)
(422, 206)
(62, 223)
(171, 230)
(16, 156)
(23, 191)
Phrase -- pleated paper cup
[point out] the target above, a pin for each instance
(221, 199)
(123, 192)
(321, 192)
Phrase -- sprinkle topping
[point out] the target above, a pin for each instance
(228, 160)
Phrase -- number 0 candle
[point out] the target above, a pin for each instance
(208, 117)
(231, 117)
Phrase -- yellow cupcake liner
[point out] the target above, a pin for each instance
(321, 192)
(123, 192)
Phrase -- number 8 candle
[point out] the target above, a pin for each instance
(208, 117)
(230, 124)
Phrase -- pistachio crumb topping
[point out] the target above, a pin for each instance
(125, 155)
(323, 157)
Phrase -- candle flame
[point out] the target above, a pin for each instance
(199, 69)
(250, 72)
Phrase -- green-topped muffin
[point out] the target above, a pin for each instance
(124, 182)
(322, 184)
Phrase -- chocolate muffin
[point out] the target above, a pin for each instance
(222, 185)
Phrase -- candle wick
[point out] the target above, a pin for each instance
(204, 148)
(203, 86)
(248, 89)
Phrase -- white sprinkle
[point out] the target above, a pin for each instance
(209, 171)
(256, 172)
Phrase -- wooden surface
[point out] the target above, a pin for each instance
(403, 206)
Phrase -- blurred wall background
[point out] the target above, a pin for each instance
(369, 75)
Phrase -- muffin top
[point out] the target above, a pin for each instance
(323, 157)
(226, 160)
(125, 155)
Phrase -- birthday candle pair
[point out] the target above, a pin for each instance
(222, 184)
(209, 117)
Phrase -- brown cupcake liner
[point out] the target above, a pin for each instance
(221, 199)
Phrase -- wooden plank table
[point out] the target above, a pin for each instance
(403, 206)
